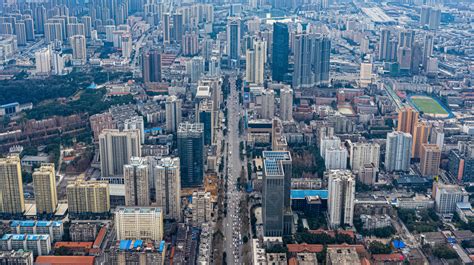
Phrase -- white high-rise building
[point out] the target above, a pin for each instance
(335, 158)
(398, 151)
(44, 182)
(136, 123)
(286, 103)
(127, 45)
(58, 63)
(202, 207)
(341, 194)
(195, 68)
(249, 66)
(364, 153)
(328, 142)
(173, 113)
(78, 44)
(268, 104)
(365, 74)
(116, 148)
(255, 62)
(137, 189)
(139, 223)
(446, 197)
(43, 61)
(168, 187)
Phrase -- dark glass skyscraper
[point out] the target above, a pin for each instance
(191, 153)
(151, 66)
(280, 51)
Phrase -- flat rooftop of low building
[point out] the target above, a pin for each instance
(302, 194)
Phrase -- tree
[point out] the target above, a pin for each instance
(377, 247)
(445, 252)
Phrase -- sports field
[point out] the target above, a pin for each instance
(428, 105)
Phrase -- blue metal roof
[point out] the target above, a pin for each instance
(162, 246)
(301, 194)
(57, 223)
(43, 223)
(398, 244)
(137, 243)
(10, 105)
(125, 244)
(153, 129)
(27, 223)
(6, 236)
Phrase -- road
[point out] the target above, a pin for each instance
(231, 223)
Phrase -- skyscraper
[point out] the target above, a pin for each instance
(364, 153)
(44, 183)
(168, 187)
(420, 137)
(255, 62)
(276, 206)
(427, 48)
(139, 223)
(43, 61)
(116, 148)
(206, 117)
(78, 44)
(312, 59)
(233, 40)
(280, 51)
(191, 153)
(341, 194)
(11, 186)
(384, 45)
(151, 66)
(173, 113)
(136, 123)
(178, 28)
(430, 159)
(286, 103)
(88, 197)
(268, 104)
(398, 151)
(166, 27)
(407, 119)
(20, 32)
(137, 190)
(335, 158)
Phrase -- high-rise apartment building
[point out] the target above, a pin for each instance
(168, 187)
(137, 189)
(328, 142)
(11, 186)
(276, 206)
(407, 119)
(116, 148)
(53, 32)
(100, 122)
(136, 123)
(166, 27)
(191, 153)
(151, 66)
(398, 151)
(335, 158)
(280, 51)
(88, 197)
(430, 159)
(202, 207)
(20, 32)
(43, 61)
(78, 44)
(286, 103)
(364, 153)
(44, 183)
(177, 33)
(420, 136)
(173, 113)
(268, 104)
(139, 223)
(341, 195)
(255, 62)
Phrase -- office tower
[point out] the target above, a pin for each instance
(166, 27)
(151, 66)
(202, 207)
(173, 113)
(40, 17)
(206, 117)
(87, 21)
(11, 186)
(364, 153)
(177, 28)
(447, 196)
(341, 194)
(276, 204)
(407, 119)
(437, 137)
(136, 123)
(20, 32)
(78, 44)
(335, 158)
(137, 189)
(268, 104)
(195, 68)
(168, 187)
(286, 103)
(53, 32)
(398, 151)
(214, 66)
(191, 153)
(420, 137)
(328, 142)
(43, 61)
(127, 45)
(427, 48)
(365, 74)
(88, 197)
(312, 56)
(384, 45)
(58, 63)
(430, 159)
(139, 223)
(44, 183)
(190, 44)
(280, 51)
(233, 40)
(116, 148)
